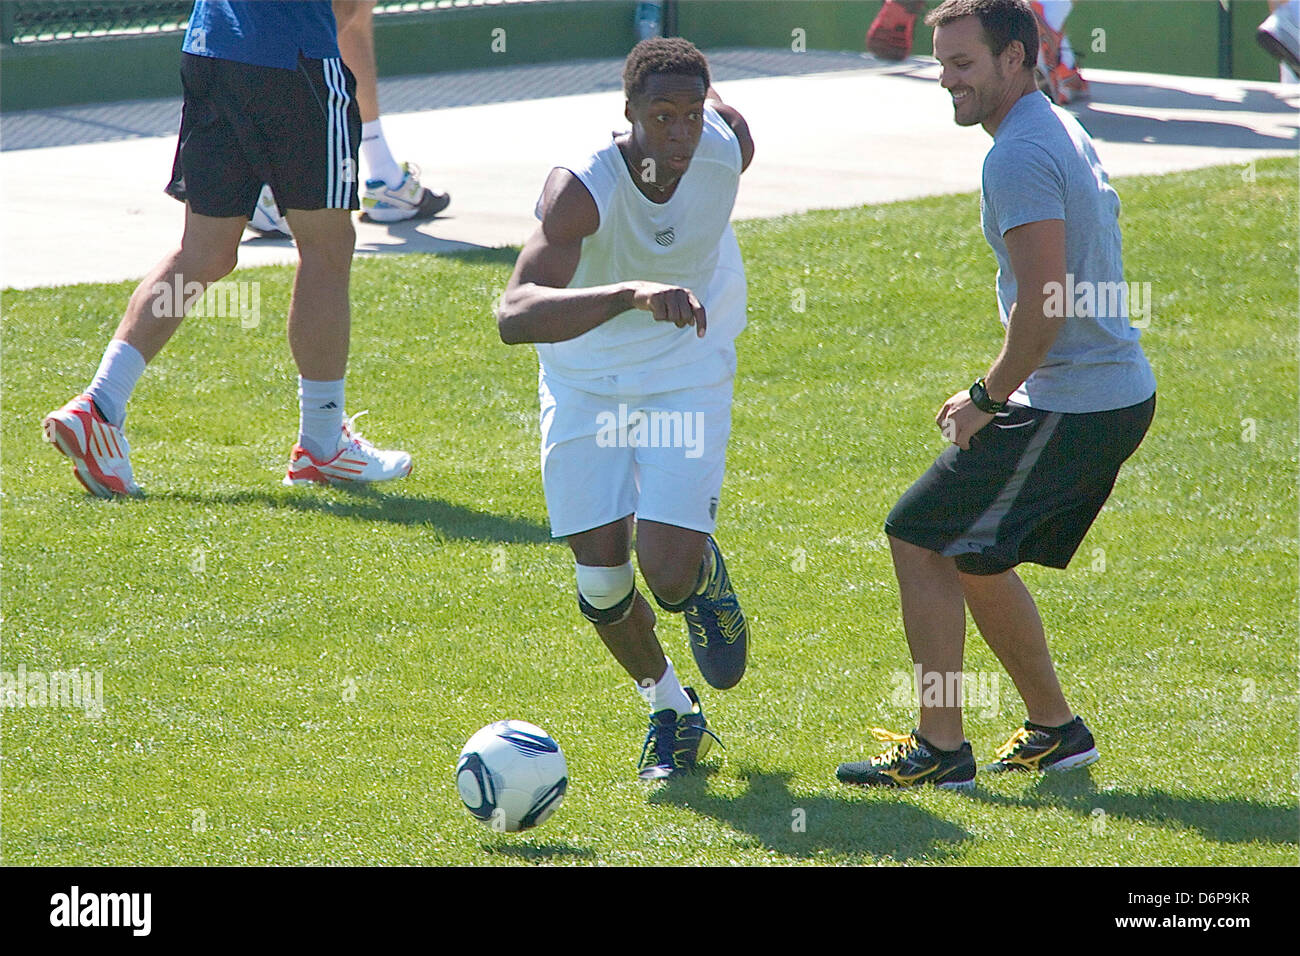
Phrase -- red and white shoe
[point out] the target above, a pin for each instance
(355, 461)
(1062, 84)
(101, 457)
(1066, 85)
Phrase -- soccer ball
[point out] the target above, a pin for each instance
(511, 775)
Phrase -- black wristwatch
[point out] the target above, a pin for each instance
(979, 396)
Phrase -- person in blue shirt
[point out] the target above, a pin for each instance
(1037, 442)
(267, 100)
(392, 191)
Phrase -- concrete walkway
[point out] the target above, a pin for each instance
(83, 186)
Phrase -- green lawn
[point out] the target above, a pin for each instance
(289, 674)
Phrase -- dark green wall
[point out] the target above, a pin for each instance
(60, 73)
(89, 71)
(1170, 36)
(1150, 36)
(1158, 36)
(462, 38)
(827, 24)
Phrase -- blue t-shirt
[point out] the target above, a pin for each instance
(1043, 166)
(262, 32)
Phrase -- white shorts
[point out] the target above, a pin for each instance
(660, 457)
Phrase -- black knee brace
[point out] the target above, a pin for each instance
(610, 615)
(674, 608)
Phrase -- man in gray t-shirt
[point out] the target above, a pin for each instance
(1038, 441)
(1042, 168)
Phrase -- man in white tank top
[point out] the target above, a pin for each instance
(633, 291)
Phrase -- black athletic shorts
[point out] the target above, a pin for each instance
(1027, 489)
(245, 125)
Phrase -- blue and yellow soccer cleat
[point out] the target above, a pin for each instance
(911, 761)
(718, 630)
(1034, 747)
(675, 743)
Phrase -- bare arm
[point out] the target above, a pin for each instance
(1037, 252)
(738, 126)
(537, 306)
(356, 39)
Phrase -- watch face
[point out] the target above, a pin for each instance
(980, 397)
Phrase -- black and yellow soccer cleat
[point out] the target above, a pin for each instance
(718, 630)
(910, 761)
(675, 743)
(1035, 747)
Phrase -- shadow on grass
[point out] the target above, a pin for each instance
(497, 255)
(1224, 821)
(370, 504)
(481, 255)
(805, 826)
(410, 237)
(540, 853)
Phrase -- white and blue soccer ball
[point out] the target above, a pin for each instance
(511, 775)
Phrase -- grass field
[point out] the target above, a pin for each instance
(289, 674)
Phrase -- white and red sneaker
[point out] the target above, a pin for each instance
(1067, 85)
(355, 461)
(101, 457)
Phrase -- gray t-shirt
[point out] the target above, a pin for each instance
(1042, 166)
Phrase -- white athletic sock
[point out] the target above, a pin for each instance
(666, 692)
(379, 160)
(119, 370)
(1067, 53)
(320, 416)
(1056, 12)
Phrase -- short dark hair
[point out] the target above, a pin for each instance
(1002, 20)
(662, 55)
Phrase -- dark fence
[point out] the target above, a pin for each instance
(24, 22)
(41, 21)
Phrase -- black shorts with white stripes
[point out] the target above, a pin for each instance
(245, 125)
(1028, 488)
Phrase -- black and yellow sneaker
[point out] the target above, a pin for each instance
(675, 743)
(717, 626)
(1035, 747)
(911, 761)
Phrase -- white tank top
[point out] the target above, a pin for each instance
(686, 241)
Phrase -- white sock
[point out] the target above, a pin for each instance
(666, 692)
(119, 370)
(320, 416)
(1056, 12)
(1067, 53)
(379, 160)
